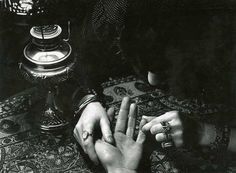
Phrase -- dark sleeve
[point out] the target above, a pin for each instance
(94, 41)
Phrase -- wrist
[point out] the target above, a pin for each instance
(121, 170)
(83, 103)
(94, 104)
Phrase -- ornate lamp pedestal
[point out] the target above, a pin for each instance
(47, 62)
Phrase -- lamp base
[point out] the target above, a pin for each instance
(51, 120)
(48, 117)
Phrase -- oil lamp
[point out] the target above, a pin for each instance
(47, 59)
(48, 62)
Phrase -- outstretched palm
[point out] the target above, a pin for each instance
(126, 154)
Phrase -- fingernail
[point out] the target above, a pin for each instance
(125, 100)
(144, 128)
(99, 140)
(110, 139)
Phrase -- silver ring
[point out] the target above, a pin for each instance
(168, 139)
(167, 144)
(166, 127)
(168, 136)
(86, 134)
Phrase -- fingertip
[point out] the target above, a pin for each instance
(109, 139)
(126, 98)
(133, 110)
(125, 102)
(133, 105)
(145, 128)
(111, 111)
(144, 117)
(142, 122)
(141, 137)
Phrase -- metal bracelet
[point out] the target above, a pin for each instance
(84, 102)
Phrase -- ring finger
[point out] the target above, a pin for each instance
(163, 127)
(160, 137)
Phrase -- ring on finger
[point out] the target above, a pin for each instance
(166, 127)
(168, 136)
(86, 134)
(167, 144)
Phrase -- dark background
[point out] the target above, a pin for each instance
(192, 42)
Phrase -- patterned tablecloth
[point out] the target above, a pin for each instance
(25, 149)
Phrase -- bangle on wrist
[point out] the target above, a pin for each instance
(80, 92)
(83, 103)
(81, 98)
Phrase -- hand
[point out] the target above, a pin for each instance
(126, 154)
(93, 115)
(156, 128)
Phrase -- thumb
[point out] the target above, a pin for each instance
(106, 130)
(99, 146)
(111, 113)
(104, 152)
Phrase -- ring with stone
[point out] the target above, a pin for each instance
(166, 127)
(169, 142)
(86, 134)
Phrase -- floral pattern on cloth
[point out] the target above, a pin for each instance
(25, 149)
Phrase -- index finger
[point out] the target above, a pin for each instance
(90, 149)
(123, 115)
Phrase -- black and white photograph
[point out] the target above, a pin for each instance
(117, 86)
